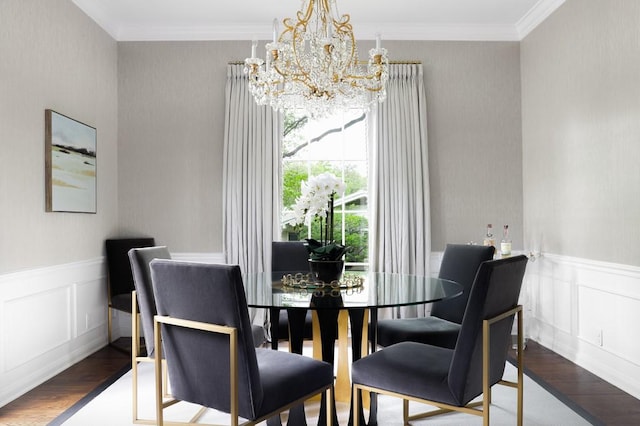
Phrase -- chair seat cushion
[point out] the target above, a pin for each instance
(430, 330)
(408, 368)
(286, 376)
(121, 302)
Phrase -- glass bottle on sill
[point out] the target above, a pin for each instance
(488, 238)
(505, 244)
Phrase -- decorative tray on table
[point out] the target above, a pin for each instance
(308, 281)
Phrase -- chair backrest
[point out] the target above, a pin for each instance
(140, 259)
(460, 263)
(496, 290)
(289, 256)
(198, 361)
(118, 266)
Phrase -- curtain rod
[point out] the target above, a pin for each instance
(391, 62)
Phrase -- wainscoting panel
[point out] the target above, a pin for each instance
(548, 299)
(588, 312)
(91, 313)
(606, 327)
(50, 318)
(36, 324)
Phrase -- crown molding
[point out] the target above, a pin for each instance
(541, 11)
(452, 32)
(364, 31)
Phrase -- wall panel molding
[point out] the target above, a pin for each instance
(50, 318)
(587, 311)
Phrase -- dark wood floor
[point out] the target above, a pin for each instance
(604, 403)
(52, 398)
(601, 402)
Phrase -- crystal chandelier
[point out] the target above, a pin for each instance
(313, 65)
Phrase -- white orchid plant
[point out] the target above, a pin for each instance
(316, 203)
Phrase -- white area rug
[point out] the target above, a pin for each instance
(113, 407)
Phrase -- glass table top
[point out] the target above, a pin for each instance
(355, 290)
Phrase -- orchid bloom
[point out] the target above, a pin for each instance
(314, 201)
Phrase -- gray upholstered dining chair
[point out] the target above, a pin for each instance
(142, 312)
(288, 256)
(145, 309)
(139, 259)
(460, 263)
(203, 323)
(451, 378)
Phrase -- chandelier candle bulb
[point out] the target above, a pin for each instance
(254, 44)
(377, 41)
(275, 30)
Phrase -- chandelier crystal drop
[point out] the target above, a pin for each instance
(313, 65)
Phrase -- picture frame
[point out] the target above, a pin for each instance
(70, 164)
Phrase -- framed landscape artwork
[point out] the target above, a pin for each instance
(70, 162)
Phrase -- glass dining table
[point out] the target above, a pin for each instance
(352, 302)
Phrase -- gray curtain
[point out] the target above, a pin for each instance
(251, 193)
(400, 239)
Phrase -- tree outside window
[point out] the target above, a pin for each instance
(335, 144)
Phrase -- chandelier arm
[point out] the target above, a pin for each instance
(306, 83)
(306, 16)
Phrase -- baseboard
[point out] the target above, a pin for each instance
(29, 375)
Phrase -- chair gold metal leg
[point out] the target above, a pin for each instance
(158, 373)
(109, 321)
(405, 412)
(486, 388)
(134, 355)
(134, 402)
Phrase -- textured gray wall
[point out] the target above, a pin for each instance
(52, 56)
(475, 137)
(581, 131)
(171, 129)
